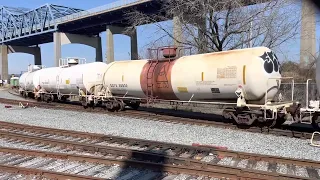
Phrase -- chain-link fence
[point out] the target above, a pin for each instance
(299, 92)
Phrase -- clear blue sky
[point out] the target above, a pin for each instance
(19, 61)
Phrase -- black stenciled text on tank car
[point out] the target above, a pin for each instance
(271, 63)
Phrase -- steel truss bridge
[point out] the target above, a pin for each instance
(26, 27)
(17, 23)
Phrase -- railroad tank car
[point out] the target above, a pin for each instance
(26, 83)
(67, 79)
(240, 77)
(203, 77)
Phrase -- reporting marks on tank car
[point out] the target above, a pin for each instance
(119, 85)
(227, 72)
(215, 90)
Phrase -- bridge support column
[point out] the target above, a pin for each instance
(110, 45)
(308, 33)
(134, 45)
(67, 38)
(99, 50)
(4, 62)
(110, 31)
(37, 56)
(5, 50)
(177, 31)
(57, 47)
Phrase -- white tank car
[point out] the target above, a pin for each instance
(204, 77)
(26, 82)
(66, 79)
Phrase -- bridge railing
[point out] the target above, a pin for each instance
(109, 6)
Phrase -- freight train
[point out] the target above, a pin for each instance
(245, 80)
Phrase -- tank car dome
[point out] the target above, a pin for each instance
(73, 61)
(36, 67)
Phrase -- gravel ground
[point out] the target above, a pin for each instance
(74, 167)
(162, 131)
(5, 94)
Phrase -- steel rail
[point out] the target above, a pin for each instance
(189, 168)
(143, 155)
(142, 142)
(163, 116)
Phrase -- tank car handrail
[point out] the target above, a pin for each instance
(162, 48)
(31, 69)
(64, 62)
(280, 78)
(266, 94)
(307, 93)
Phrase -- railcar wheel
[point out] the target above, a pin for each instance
(121, 104)
(111, 110)
(262, 122)
(316, 122)
(85, 105)
(63, 99)
(270, 122)
(25, 95)
(42, 97)
(226, 113)
(280, 120)
(134, 105)
(110, 107)
(83, 102)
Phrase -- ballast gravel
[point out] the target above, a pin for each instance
(162, 131)
(6, 95)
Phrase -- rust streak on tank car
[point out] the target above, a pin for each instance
(161, 79)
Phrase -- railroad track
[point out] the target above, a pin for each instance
(216, 162)
(170, 117)
(71, 166)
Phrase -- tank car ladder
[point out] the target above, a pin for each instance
(150, 84)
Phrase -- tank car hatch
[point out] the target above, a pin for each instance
(73, 61)
(169, 52)
(32, 68)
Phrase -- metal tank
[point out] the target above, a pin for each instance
(204, 77)
(26, 82)
(46, 78)
(67, 78)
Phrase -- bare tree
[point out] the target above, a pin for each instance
(209, 25)
(299, 72)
